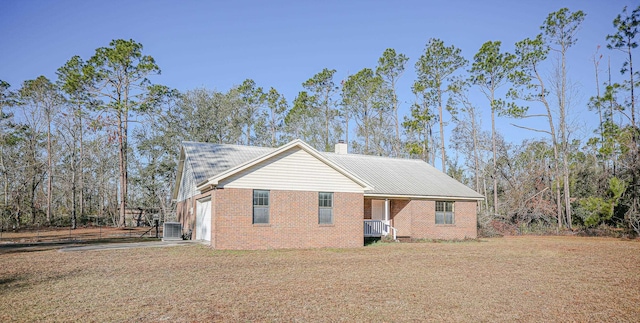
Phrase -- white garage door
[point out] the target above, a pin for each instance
(203, 219)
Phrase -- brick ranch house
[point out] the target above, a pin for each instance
(241, 197)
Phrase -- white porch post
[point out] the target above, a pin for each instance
(386, 211)
(387, 218)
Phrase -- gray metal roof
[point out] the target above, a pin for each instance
(388, 176)
(395, 176)
(208, 160)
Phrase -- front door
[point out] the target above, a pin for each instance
(377, 210)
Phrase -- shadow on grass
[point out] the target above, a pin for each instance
(371, 240)
(465, 240)
(375, 241)
(42, 246)
(57, 234)
(6, 281)
(31, 280)
(16, 282)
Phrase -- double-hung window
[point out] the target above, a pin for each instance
(444, 212)
(325, 208)
(260, 206)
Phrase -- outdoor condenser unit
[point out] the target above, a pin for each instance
(172, 231)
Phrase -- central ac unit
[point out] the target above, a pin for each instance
(172, 231)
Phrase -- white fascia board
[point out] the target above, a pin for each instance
(423, 197)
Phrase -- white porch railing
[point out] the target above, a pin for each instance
(378, 228)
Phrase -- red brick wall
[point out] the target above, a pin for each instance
(186, 213)
(416, 219)
(214, 195)
(401, 217)
(293, 221)
(367, 209)
(424, 223)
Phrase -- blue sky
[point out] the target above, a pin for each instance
(218, 44)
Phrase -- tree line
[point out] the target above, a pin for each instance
(102, 137)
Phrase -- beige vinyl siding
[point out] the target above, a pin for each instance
(294, 170)
(187, 183)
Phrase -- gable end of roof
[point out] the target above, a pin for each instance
(215, 180)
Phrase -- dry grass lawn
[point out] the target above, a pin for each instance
(502, 279)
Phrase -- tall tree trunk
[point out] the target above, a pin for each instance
(396, 144)
(327, 120)
(484, 186)
(5, 175)
(442, 147)
(74, 215)
(599, 109)
(476, 163)
(34, 181)
(567, 196)
(614, 159)
(34, 186)
(327, 145)
(18, 216)
(633, 101)
(273, 129)
(81, 164)
(425, 146)
(248, 134)
(101, 194)
(635, 166)
(495, 157)
(122, 141)
(49, 168)
(113, 205)
(366, 122)
(346, 122)
(431, 150)
(557, 183)
(596, 62)
(565, 141)
(554, 144)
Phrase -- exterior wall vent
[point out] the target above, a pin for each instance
(172, 231)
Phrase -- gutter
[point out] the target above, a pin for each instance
(424, 197)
